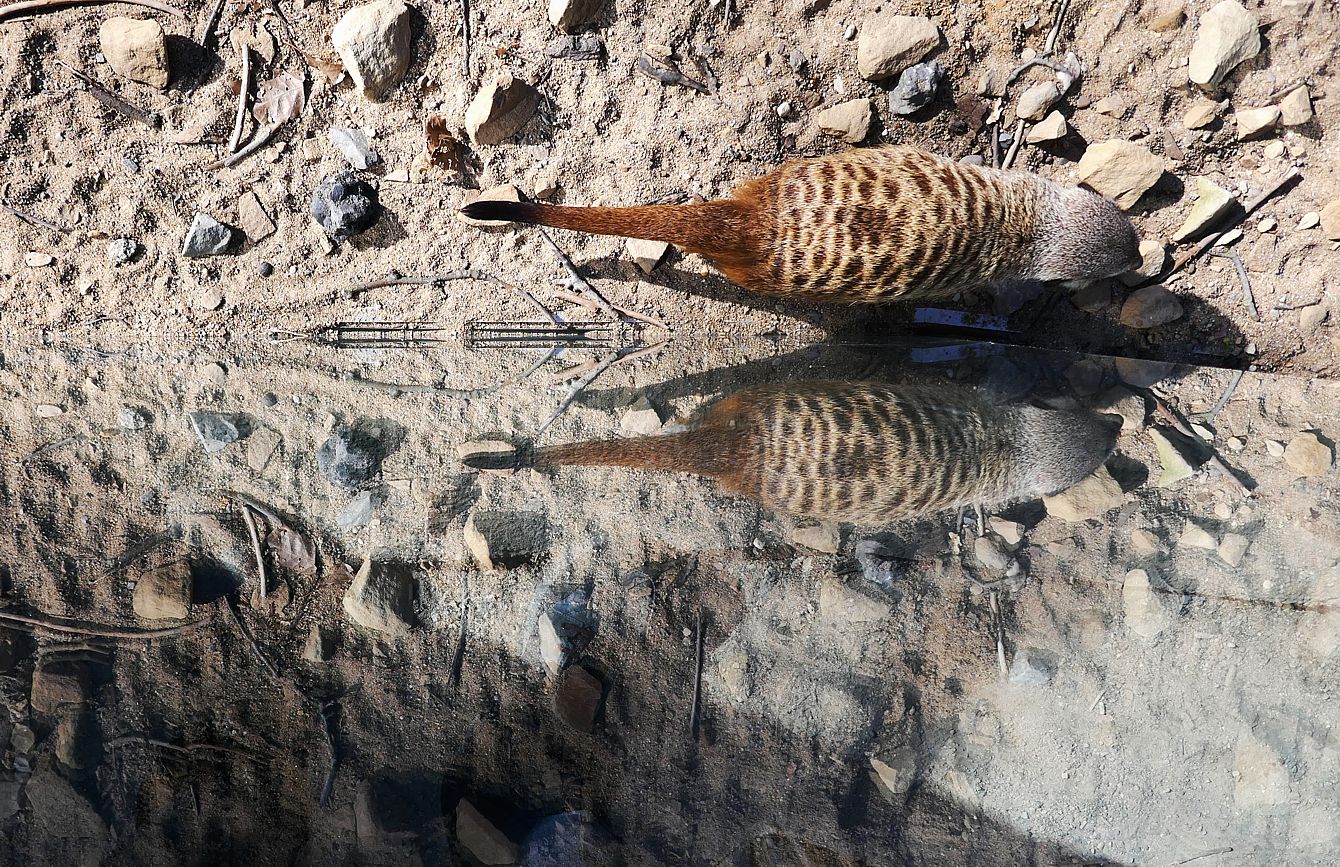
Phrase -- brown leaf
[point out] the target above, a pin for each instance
(330, 68)
(292, 550)
(279, 99)
(191, 134)
(443, 146)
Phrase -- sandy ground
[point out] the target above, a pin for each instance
(1188, 721)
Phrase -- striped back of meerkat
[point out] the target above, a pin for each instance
(869, 452)
(895, 223)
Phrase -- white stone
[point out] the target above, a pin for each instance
(136, 49)
(500, 109)
(1255, 121)
(38, 260)
(1120, 170)
(570, 15)
(1011, 532)
(1196, 536)
(1111, 105)
(1146, 614)
(1296, 107)
(1227, 35)
(373, 41)
(891, 43)
(645, 254)
(642, 418)
(1259, 776)
(1050, 128)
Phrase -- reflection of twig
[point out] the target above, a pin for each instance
(43, 621)
(33, 6)
(330, 714)
(184, 749)
(246, 633)
(697, 674)
(577, 388)
(1166, 413)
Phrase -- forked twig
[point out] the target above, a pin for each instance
(111, 100)
(262, 138)
(43, 621)
(1247, 296)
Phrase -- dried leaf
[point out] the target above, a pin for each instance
(443, 146)
(330, 68)
(278, 100)
(191, 134)
(292, 550)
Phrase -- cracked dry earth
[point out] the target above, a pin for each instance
(1139, 672)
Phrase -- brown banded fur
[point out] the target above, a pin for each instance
(866, 452)
(874, 225)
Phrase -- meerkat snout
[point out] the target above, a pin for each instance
(1086, 238)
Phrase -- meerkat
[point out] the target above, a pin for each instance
(860, 452)
(872, 225)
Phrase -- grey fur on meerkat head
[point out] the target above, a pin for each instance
(1055, 449)
(1082, 236)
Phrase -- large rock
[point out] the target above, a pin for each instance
(849, 121)
(373, 42)
(164, 594)
(500, 110)
(1212, 203)
(1090, 498)
(1120, 170)
(54, 688)
(916, 88)
(1253, 122)
(1228, 35)
(1150, 307)
(135, 48)
(570, 15)
(892, 43)
(1034, 102)
(381, 598)
(1330, 220)
(1296, 108)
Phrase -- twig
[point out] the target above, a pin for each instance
(697, 674)
(112, 101)
(242, 92)
(1097, 698)
(262, 138)
(1233, 256)
(184, 749)
(33, 220)
(44, 621)
(265, 511)
(1222, 850)
(1223, 399)
(35, 6)
(246, 633)
(622, 311)
(1166, 413)
(465, 36)
(576, 389)
(1206, 243)
(1040, 60)
(1000, 634)
(418, 388)
(1055, 33)
(330, 714)
(396, 279)
(1014, 145)
(578, 369)
(250, 521)
(576, 278)
(995, 145)
(458, 658)
(211, 22)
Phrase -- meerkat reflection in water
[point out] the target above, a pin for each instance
(876, 224)
(863, 452)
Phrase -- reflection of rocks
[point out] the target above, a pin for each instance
(381, 598)
(481, 838)
(1260, 778)
(1146, 614)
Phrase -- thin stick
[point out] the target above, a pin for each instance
(242, 92)
(1040, 60)
(212, 21)
(36, 6)
(144, 740)
(112, 101)
(395, 279)
(44, 621)
(265, 511)
(995, 145)
(577, 279)
(1246, 284)
(1206, 243)
(458, 658)
(418, 388)
(1014, 145)
(1055, 33)
(697, 674)
(1223, 398)
(1000, 634)
(1165, 412)
(261, 140)
(250, 521)
(577, 389)
(622, 311)
(31, 219)
(465, 36)
(330, 714)
(578, 369)
(1222, 850)
(246, 633)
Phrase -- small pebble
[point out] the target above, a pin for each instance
(1275, 448)
(1267, 225)
(1310, 220)
(37, 260)
(122, 250)
(784, 109)
(265, 269)
(850, 33)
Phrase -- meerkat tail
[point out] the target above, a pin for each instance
(681, 452)
(717, 229)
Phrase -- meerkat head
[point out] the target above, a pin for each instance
(1059, 448)
(1083, 236)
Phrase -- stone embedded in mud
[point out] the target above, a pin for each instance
(348, 458)
(916, 88)
(319, 646)
(215, 430)
(381, 598)
(252, 219)
(164, 593)
(360, 510)
(500, 110)
(577, 700)
(122, 250)
(824, 538)
(991, 554)
(373, 41)
(1090, 498)
(481, 838)
(206, 237)
(132, 418)
(891, 43)
(1203, 112)
(1253, 122)
(136, 49)
(344, 205)
(1032, 667)
(53, 689)
(1260, 777)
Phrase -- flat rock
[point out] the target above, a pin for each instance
(1307, 454)
(577, 699)
(1032, 667)
(1010, 532)
(916, 88)
(373, 41)
(353, 144)
(502, 540)
(1196, 536)
(889, 44)
(646, 254)
(261, 447)
(849, 121)
(1050, 128)
(1150, 307)
(381, 598)
(481, 838)
(1213, 202)
(1232, 547)
(1175, 465)
(136, 49)
(348, 458)
(1111, 105)
(1153, 259)
(1296, 107)
(1127, 404)
(1253, 122)
(1120, 170)
(1092, 297)
(1035, 102)
(319, 646)
(1203, 112)
(206, 237)
(215, 430)
(1144, 542)
(641, 418)
(500, 109)
(1145, 612)
(570, 15)
(500, 193)
(252, 219)
(824, 538)
(1260, 778)
(1226, 36)
(842, 606)
(38, 260)
(164, 593)
(991, 553)
(1090, 498)
(894, 774)
(1330, 220)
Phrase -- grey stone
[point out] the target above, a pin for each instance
(587, 47)
(577, 699)
(215, 430)
(353, 143)
(500, 109)
(878, 564)
(503, 540)
(916, 88)
(481, 838)
(374, 42)
(344, 205)
(1032, 667)
(1150, 307)
(991, 554)
(824, 538)
(122, 250)
(349, 458)
(132, 418)
(359, 511)
(206, 237)
(565, 628)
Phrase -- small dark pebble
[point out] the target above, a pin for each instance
(588, 47)
(269, 399)
(265, 269)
